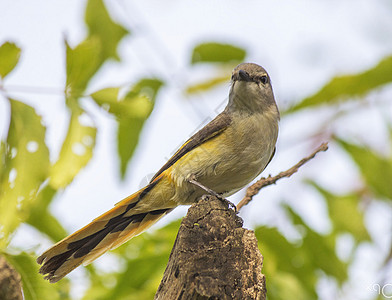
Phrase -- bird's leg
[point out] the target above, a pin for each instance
(193, 180)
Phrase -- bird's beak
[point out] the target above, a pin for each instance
(244, 75)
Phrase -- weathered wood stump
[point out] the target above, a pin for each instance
(10, 283)
(213, 257)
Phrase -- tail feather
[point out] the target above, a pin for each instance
(106, 232)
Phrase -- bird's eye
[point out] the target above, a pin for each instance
(263, 79)
(232, 77)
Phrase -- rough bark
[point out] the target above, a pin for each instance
(10, 284)
(213, 257)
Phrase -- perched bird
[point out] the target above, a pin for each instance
(223, 157)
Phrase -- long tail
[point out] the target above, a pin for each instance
(106, 232)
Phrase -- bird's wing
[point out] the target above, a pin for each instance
(212, 129)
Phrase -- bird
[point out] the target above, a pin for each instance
(221, 158)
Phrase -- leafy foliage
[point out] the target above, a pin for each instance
(298, 263)
(345, 213)
(29, 181)
(223, 56)
(101, 44)
(26, 165)
(375, 169)
(349, 86)
(9, 57)
(82, 63)
(217, 53)
(100, 25)
(131, 112)
(34, 286)
(42, 219)
(76, 152)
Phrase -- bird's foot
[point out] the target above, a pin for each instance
(230, 204)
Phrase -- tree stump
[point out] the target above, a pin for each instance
(10, 284)
(213, 257)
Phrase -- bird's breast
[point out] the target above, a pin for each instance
(228, 161)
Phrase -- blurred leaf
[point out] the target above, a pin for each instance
(76, 151)
(9, 57)
(127, 139)
(34, 286)
(376, 170)
(26, 164)
(145, 258)
(108, 99)
(285, 260)
(86, 58)
(82, 63)
(347, 87)
(129, 129)
(131, 112)
(284, 285)
(207, 85)
(345, 214)
(41, 218)
(147, 87)
(320, 250)
(139, 107)
(102, 26)
(299, 262)
(217, 53)
(2, 160)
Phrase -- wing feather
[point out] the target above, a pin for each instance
(212, 129)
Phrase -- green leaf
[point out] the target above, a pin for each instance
(82, 63)
(9, 57)
(347, 87)
(131, 112)
(34, 286)
(284, 285)
(375, 169)
(298, 262)
(282, 258)
(127, 139)
(2, 160)
(319, 250)
(86, 58)
(102, 26)
(207, 85)
(345, 214)
(41, 218)
(108, 99)
(76, 151)
(137, 107)
(140, 97)
(217, 53)
(26, 166)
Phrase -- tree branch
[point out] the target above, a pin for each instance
(263, 182)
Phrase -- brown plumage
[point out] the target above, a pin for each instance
(224, 156)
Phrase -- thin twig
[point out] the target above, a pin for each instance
(32, 89)
(262, 182)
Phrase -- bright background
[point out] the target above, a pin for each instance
(302, 44)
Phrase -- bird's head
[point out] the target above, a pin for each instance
(251, 88)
